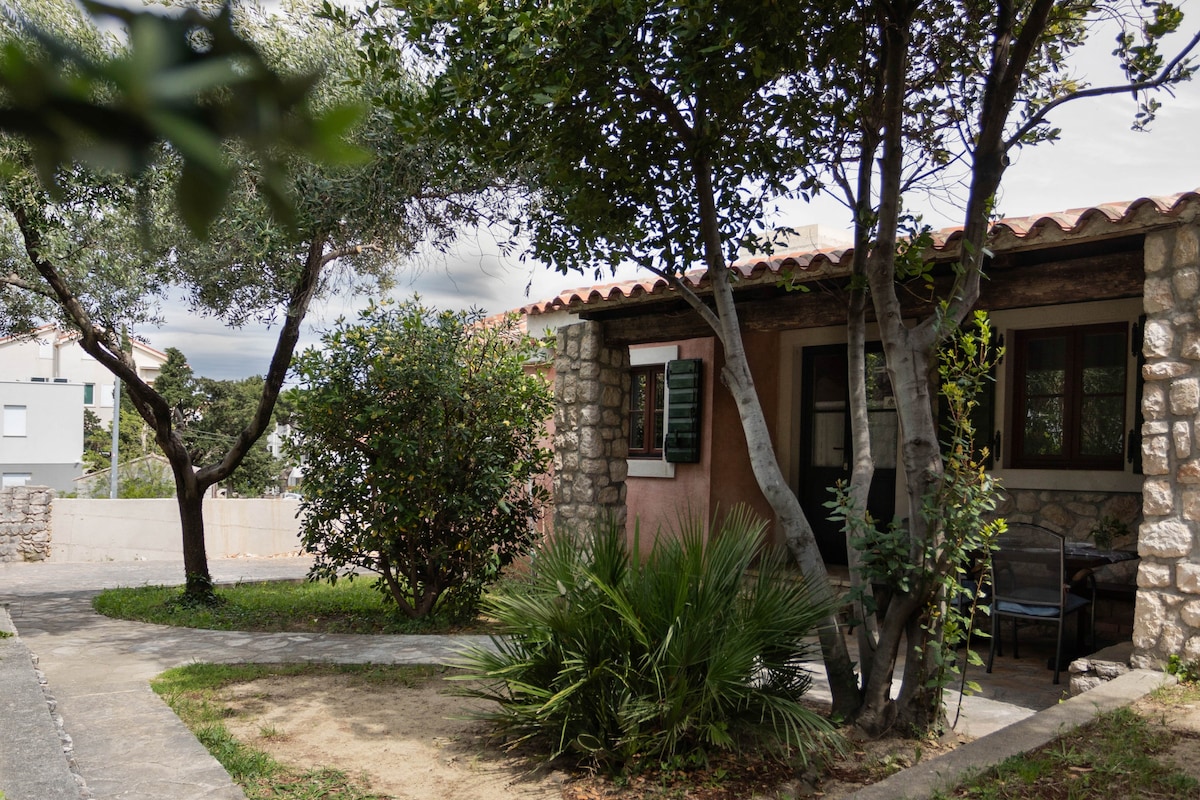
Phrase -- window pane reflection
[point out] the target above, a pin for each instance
(1102, 431)
(1044, 426)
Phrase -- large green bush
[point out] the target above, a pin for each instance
(420, 433)
(619, 661)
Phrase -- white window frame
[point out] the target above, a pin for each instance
(645, 357)
(16, 421)
(11, 480)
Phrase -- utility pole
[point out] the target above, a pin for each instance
(116, 423)
(116, 439)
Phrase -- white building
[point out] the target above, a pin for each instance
(46, 382)
(36, 447)
(51, 355)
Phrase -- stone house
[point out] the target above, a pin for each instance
(1093, 416)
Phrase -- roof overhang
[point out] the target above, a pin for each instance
(1111, 232)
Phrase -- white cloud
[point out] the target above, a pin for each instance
(1097, 160)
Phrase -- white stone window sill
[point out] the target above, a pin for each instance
(1070, 480)
(650, 468)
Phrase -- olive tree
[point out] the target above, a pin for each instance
(421, 436)
(99, 252)
(943, 82)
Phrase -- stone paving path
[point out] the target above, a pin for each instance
(127, 742)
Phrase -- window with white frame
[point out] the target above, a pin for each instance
(14, 420)
(12, 479)
(647, 411)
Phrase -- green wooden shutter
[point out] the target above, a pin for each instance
(684, 387)
(1134, 438)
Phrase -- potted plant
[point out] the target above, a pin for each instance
(1107, 530)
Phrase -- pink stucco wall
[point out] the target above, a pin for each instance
(722, 477)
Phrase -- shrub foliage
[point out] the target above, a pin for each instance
(420, 437)
(618, 661)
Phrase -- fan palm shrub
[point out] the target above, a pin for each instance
(617, 660)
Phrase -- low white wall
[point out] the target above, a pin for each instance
(149, 530)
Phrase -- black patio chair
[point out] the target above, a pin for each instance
(1029, 584)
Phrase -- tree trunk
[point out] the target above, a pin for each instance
(797, 532)
(861, 475)
(736, 375)
(198, 589)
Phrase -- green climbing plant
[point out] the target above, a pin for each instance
(964, 502)
(949, 570)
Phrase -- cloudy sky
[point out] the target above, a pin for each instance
(1098, 160)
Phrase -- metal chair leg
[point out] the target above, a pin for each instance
(1058, 649)
(995, 643)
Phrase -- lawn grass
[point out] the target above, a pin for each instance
(191, 692)
(272, 606)
(1113, 756)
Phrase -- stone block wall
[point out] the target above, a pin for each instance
(1167, 619)
(591, 434)
(25, 523)
(1075, 515)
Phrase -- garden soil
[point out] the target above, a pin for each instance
(419, 743)
(415, 743)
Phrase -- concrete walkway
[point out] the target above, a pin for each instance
(126, 743)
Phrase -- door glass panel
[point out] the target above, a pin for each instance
(829, 412)
(884, 432)
(829, 439)
(881, 412)
(879, 385)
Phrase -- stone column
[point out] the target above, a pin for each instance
(591, 429)
(1167, 620)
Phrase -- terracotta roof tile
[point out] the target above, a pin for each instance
(1006, 233)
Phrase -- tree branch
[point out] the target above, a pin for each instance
(297, 306)
(17, 282)
(1162, 78)
(98, 342)
(691, 298)
(658, 100)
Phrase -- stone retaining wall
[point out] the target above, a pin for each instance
(25, 523)
(37, 526)
(1167, 619)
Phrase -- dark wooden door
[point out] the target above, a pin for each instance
(825, 442)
